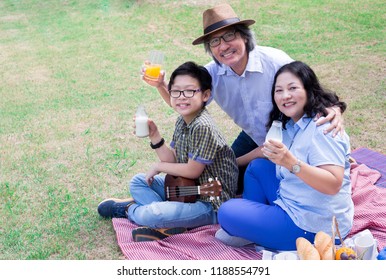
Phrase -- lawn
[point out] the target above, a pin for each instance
(70, 85)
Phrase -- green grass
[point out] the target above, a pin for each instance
(70, 86)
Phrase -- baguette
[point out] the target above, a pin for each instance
(305, 250)
(324, 245)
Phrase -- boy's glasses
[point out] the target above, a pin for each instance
(188, 93)
(227, 37)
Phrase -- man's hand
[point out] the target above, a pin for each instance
(335, 117)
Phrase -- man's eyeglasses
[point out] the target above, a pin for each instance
(188, 93)
(227, 37)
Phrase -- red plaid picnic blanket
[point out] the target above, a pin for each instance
(200, 243)
(373, 160)
(370, 203)
(196, 244)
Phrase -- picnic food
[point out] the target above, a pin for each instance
(323, 243)
(305, 250)
(345, 253)
(324, 247)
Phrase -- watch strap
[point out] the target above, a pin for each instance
(158, 145)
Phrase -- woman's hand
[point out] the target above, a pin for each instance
(337, 122)
(278, 153)
(324, 178)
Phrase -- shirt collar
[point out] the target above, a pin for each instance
(253, 65)
(202, 111)
(302, 123)
(254, 62)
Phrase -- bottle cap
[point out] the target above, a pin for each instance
(277, 123)
(141, 112)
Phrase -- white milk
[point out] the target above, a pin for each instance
(275, 132)
(141, 126)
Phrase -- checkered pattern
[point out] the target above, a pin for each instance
(370, 203)
(374, 160)
(196, 244)
(201, 141)
(200, 243)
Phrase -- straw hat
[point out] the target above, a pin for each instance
(218, 18)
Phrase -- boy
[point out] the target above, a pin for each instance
(198, 151)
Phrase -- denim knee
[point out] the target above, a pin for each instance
(138, 181)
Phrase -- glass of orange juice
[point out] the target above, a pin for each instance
(153, 68)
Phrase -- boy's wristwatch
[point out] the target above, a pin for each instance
(296, 167)
(158, 145)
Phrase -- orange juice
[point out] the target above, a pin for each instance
(152, 71)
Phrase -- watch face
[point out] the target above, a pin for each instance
(296, 168)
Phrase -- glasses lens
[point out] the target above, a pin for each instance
(189, 93)
(229, 36)
(214, 42)
(175, 93)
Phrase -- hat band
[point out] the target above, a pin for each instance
(220, 24)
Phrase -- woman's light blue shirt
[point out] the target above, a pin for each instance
(310, 209)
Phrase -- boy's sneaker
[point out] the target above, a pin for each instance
(114, 207)
(151, 234)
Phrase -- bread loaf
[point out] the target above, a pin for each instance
(305, 250)
(323, 243)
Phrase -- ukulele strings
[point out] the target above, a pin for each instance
(182, 191)
(186, 190)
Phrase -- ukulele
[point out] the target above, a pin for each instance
(185, 190)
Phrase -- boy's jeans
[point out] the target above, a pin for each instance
(152, 210)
